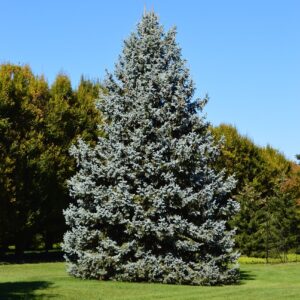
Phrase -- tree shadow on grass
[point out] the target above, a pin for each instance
(246, 276)
(24, 290)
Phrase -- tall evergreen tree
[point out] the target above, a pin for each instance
(149, 206)
(251, 221)
(267, 226)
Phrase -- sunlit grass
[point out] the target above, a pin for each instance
(291, 257)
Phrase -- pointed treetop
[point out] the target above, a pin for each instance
(149, 206)
(145, 9)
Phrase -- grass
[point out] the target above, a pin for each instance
(291, 257)
(50, 281)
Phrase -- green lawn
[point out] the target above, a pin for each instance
(49, 280)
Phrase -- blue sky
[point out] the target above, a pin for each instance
(244, 54)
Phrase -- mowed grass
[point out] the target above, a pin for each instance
(50, 281)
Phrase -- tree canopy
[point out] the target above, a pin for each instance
(38, 124)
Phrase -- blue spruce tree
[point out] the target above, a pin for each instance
(149, 206)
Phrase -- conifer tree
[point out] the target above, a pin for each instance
(252, 221)
(149, 206)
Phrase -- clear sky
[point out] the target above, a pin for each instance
(244, 54)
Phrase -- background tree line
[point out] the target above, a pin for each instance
(268, 190)
(39, 123)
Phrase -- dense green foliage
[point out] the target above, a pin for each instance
(69, 115)
(267, 190)
(22, 107)
(37, 126)
(260, 166)
(50, 281)
(267, 226)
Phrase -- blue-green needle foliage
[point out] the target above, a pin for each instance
(149, 206)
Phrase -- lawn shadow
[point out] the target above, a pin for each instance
(24, 290)
(245, 276)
